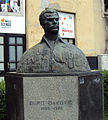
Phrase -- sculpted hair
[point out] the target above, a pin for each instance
(42, 15)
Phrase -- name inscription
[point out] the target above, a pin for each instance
(51, 105)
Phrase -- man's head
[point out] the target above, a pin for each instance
(49, 20)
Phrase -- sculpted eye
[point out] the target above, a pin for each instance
(50, 19)
(57, 19)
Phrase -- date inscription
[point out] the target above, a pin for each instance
(51, 105)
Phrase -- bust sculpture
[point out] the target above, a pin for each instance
(52, 54)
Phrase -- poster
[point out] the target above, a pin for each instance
(66, 25)
(10, 6)
(12, 16)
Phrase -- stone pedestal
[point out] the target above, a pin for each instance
(55, 96)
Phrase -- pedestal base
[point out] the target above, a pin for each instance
(52, 96)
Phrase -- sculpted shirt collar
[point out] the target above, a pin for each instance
(59, 39)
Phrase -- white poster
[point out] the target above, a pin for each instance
(12, 16)
(66, 25)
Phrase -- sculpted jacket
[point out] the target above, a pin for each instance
(63, 57)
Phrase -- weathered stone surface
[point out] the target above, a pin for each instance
(64, 58)
(47, 98)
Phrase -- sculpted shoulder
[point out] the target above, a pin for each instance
(35, 49)
(28, 58)
(80, 61)
(72, 48)
(72, 56)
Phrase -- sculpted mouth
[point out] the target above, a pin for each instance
(54, 26)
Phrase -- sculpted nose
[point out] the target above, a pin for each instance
(55, 21)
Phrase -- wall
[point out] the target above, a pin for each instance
(89, 24)
(99, 27)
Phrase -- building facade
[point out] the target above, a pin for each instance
(20, 28)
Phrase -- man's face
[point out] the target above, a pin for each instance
(51, 23)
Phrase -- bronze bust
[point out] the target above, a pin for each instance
(52, 54)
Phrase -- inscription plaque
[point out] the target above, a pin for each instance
(47, 98)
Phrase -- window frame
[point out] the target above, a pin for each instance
(105, 13)
(6, 50)
(23, 46)
(1, 71)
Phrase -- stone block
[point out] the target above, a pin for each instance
(103, 62)
(55, 96)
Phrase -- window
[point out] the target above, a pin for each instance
(12, 46)
(105, 8)
(69, 40)
(16, 48)
(106, 5)
(1, 53)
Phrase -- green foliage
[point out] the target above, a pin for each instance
(105, 118)
(2, 100)
(105, 72)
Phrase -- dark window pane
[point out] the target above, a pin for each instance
(11, 40)
(1, 53)
(12, 66)
(1, 78)
(19, 40)
(11, 53)
(19, 52)
(1, 40)
(1, 66)
(106, 5)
